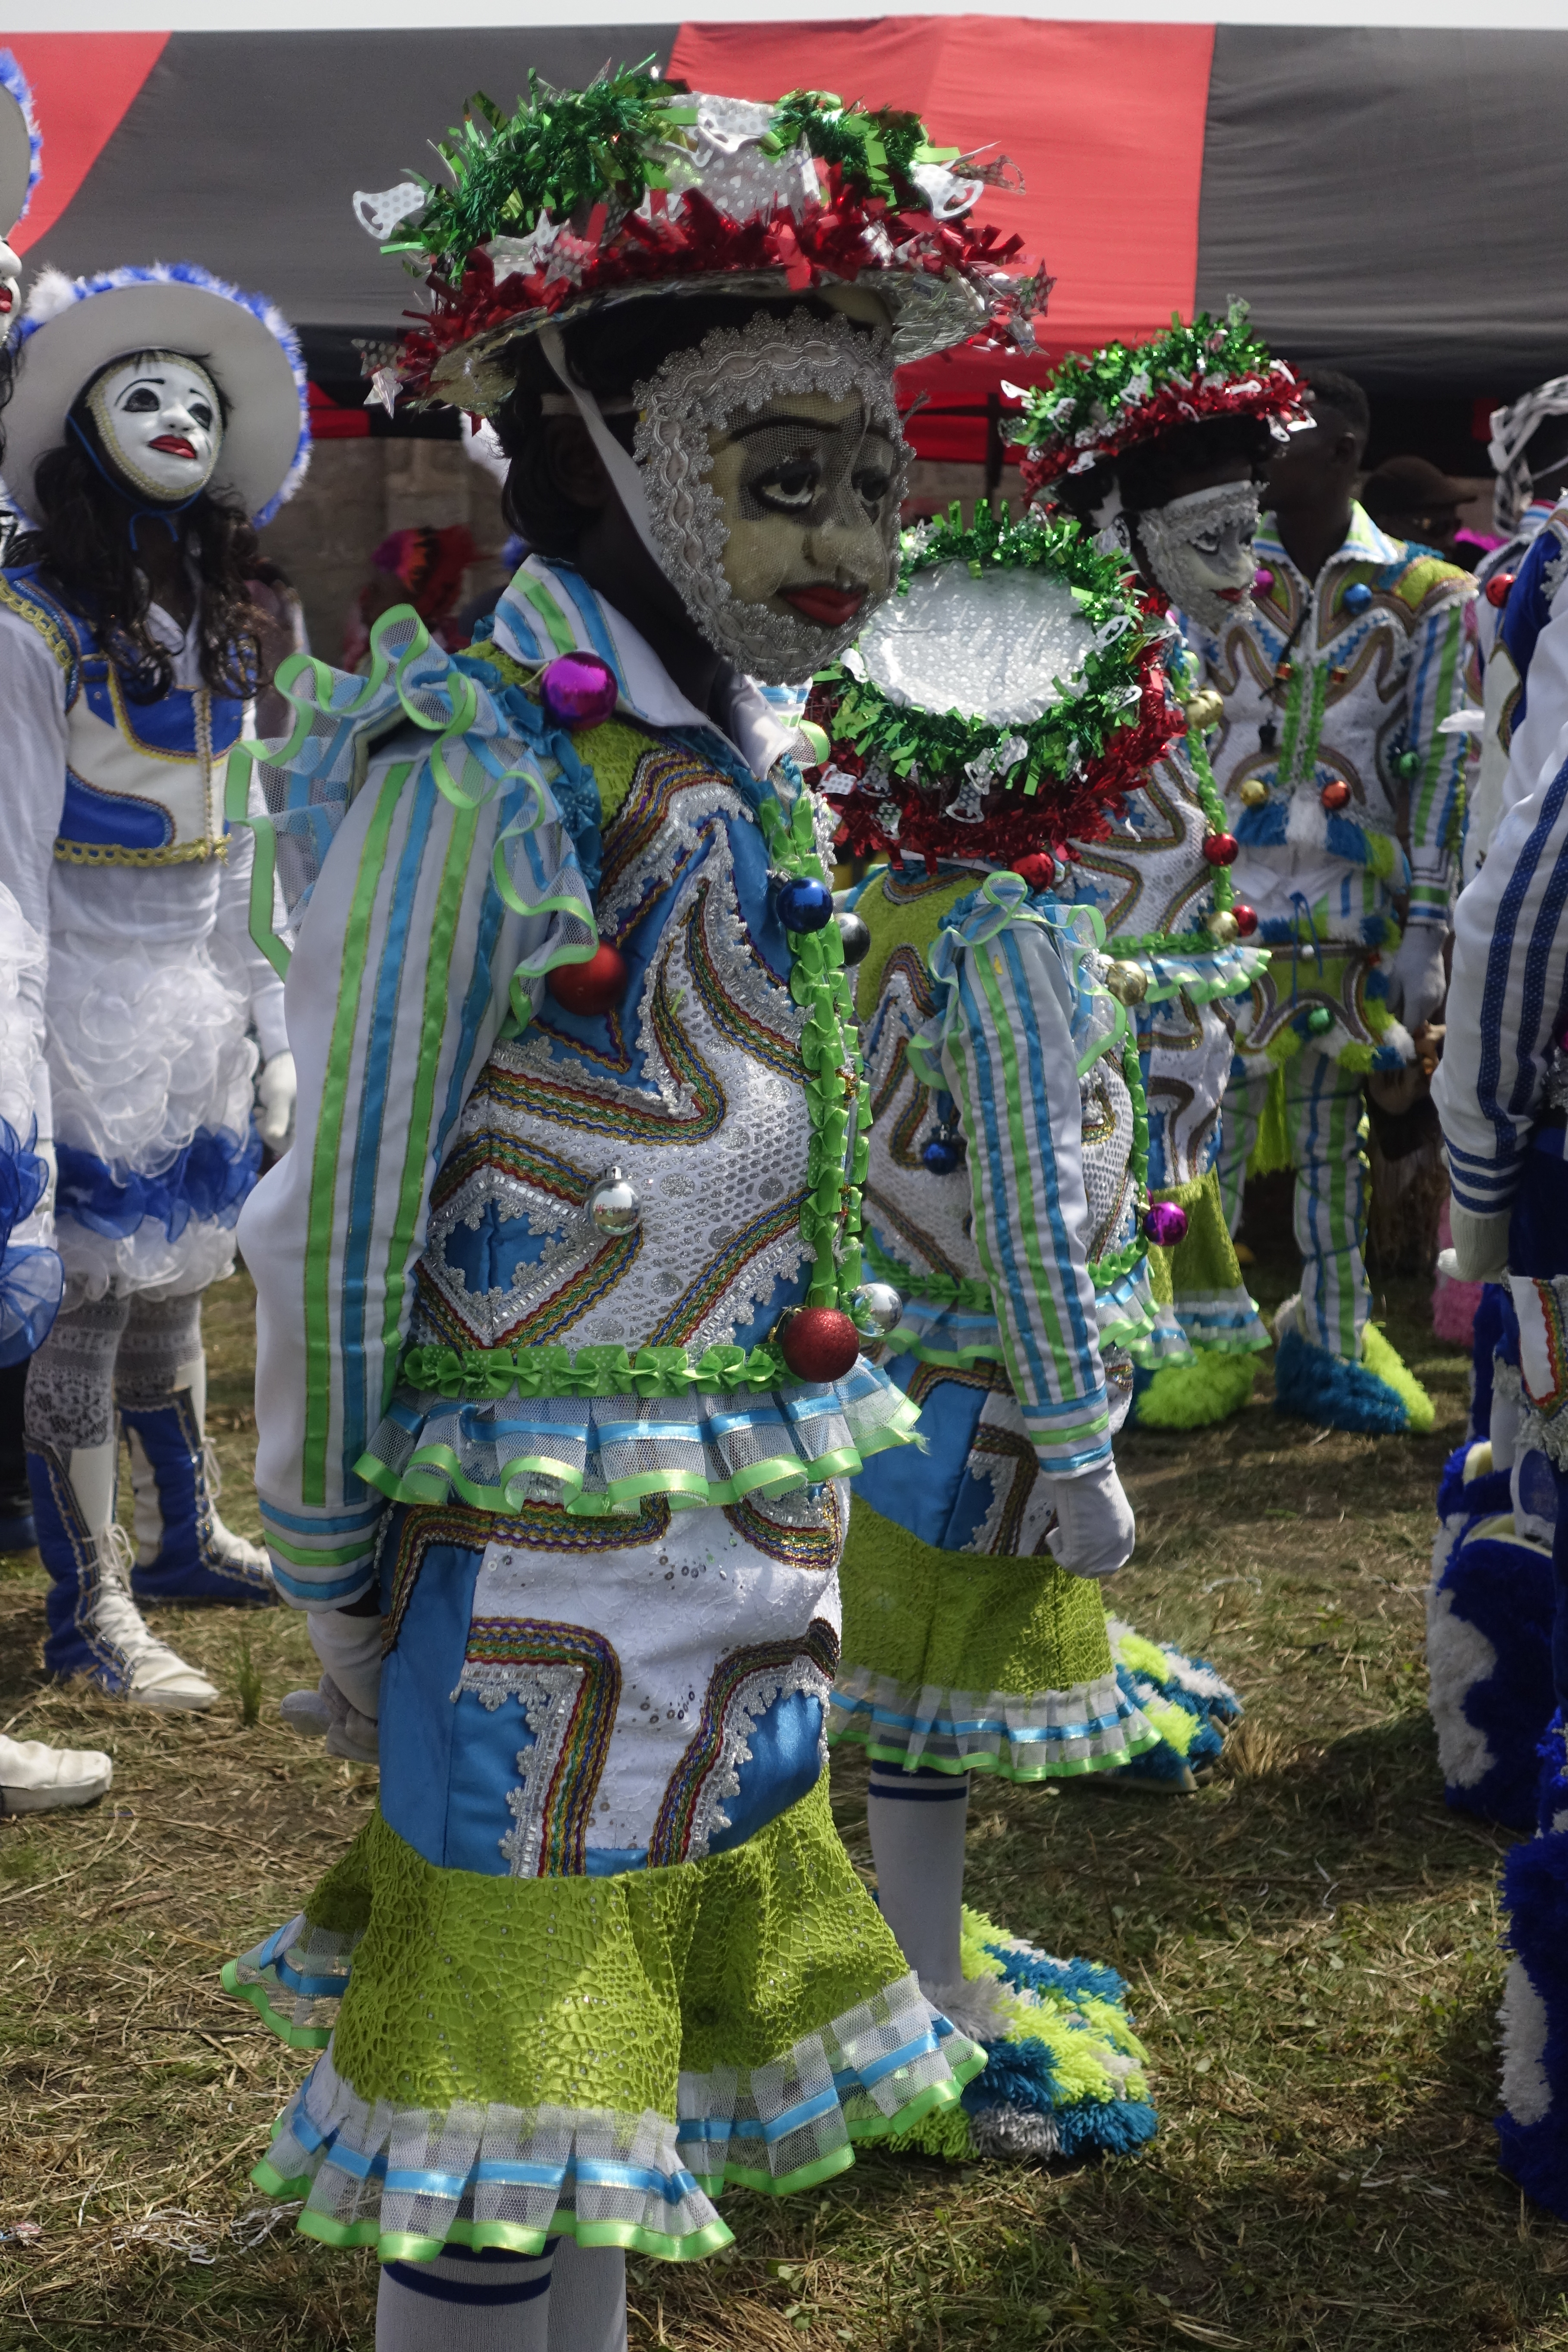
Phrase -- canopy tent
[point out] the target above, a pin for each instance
(1382, 196)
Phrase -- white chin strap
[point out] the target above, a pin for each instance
(618, 463)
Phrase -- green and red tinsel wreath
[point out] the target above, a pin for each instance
(596, 179)
(1082, 755)
(1090, 409)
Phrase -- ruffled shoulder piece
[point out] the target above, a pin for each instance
(1096, 1019)
(485, 747)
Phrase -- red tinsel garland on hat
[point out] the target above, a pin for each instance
(845, 236)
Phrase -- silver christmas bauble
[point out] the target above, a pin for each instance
(879, 1303)
(613, 1205)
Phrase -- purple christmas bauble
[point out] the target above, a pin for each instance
(1165, 1224)
(578, 691)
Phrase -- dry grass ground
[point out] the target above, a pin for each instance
(1313, 1944)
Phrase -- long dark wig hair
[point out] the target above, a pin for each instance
(84, 545)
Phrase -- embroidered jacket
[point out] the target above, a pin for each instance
(1321, 691)
(440, 1312)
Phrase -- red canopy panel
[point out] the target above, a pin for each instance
(1105, 122)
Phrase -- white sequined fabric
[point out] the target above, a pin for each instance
(1005, 648)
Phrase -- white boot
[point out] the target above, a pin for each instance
(39, 1779)
(126, 1659)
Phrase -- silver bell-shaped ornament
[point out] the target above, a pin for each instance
(879, 1305)
(613, 1203)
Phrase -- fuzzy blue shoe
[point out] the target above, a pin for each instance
(94, 1627)
(1065, 2072)
(1490, 1611)
(1187, 1702)
(1379, 1397)
(184, 1554)
(1533, 2130)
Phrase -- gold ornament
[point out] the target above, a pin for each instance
(1205, 709)
(1254, 791)
(1223, 926)
(1128, 983)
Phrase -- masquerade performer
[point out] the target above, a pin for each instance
(157, 415)
(1161, 448)
(558, 1365)
(34, 1778)
(1490, 1606)
(978, 724)
(1500, 1090)
(1337, 676)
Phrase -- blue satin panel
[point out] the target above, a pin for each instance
(933, 1494)
(785, 1765)
(426, 1738)
(112, 820)
(211, 1180)
(166, 726)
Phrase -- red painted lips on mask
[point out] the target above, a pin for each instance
(174, 444)
(829, 607)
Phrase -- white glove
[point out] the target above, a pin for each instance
(1416, 981)
(1095, 1530)
(1480, 1243)
(275, 1092)
(350, 1649)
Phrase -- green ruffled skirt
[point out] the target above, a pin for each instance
(504, 2059)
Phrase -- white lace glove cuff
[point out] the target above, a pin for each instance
(275, 1092)
(1095, 1530)
(1480, 1243)
(350, 1649)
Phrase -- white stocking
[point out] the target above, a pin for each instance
(917, 1821)
(588, 2299)
(464, 2302)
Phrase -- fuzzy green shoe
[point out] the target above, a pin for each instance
(1208, 1387)
(1064, 2074)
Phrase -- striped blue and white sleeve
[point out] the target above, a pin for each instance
(1008, 1055)
(1506, 996)
(397, 987)
(1440, 682)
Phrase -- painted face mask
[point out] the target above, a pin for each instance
(161, 423)
(769, 469)
(1199, 549)
(10, 280)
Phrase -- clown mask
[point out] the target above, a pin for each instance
(161, 425)
(10, 281)
(1199, 550)
(773, 465)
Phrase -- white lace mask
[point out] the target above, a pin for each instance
(768, 475)
(1199, 550)
(161, 423)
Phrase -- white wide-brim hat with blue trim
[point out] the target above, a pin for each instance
(73, 328)
(21, 149)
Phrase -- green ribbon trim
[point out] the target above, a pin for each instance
(475, 1373)
(949, 1289)
(434, 1473)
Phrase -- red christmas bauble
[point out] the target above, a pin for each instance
(1336, 795)
(1221, 849)
(1244, 917)
(1497, 587)
(818, 1343)
(596, 986)
(1038, 870)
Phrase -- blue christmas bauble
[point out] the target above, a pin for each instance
(803, 905)
(942, 1155)
(1356, 598)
